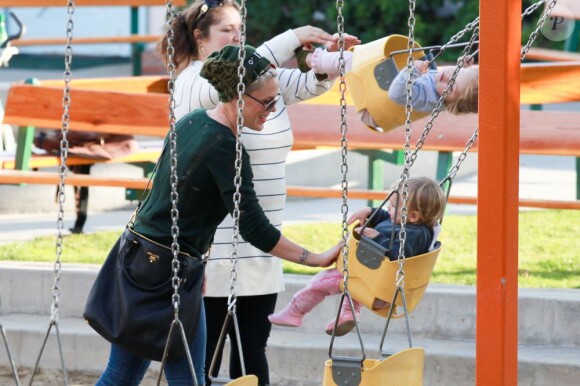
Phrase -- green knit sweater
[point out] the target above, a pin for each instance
(206, 152)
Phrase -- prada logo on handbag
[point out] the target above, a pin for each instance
(153, 258)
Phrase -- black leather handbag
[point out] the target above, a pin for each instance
(130, 303)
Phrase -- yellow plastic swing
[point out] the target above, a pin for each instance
(246, 380)
(372, 276)
(404, 368)
(373, 69)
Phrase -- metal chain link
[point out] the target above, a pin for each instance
(238, 163)
(475, 23)
(539, 25)
(441, 102)
(469, 144)
(343, 142)
(61, 197)
(63, 169)
(173, 179)
(403, 184)
(410, 158)
(532, 8)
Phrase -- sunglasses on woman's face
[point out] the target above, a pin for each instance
(268, 106)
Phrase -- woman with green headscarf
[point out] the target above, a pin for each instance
(206, 154)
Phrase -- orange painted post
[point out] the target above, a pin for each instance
(497, 250)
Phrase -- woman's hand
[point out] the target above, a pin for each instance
(361, 215)
(310, 34)
(349, 41)
(328, 257)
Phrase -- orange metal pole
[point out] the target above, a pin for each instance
(498, 174)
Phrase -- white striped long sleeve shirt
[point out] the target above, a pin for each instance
(258, 272)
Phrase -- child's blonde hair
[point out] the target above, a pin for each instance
(426, 197)
(467, 102)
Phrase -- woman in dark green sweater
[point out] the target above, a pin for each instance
(206, 154)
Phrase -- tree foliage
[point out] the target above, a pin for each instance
(436, 20)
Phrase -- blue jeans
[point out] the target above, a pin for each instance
(125, 369)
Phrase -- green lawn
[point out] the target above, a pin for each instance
(549, 254)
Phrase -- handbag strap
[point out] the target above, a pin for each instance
(147, 190)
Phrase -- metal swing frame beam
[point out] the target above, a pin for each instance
(498, 179)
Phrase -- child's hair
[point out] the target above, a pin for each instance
(185, 23)
(426, 198)
(468, 101)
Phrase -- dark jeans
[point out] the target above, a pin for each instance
(125, 369)
(252, 313)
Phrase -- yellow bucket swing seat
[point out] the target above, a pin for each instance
(404, 368)
(373, 69)
(246, 380)
(373, 276)
(365, 284)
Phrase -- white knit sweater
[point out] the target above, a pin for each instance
(259, 273)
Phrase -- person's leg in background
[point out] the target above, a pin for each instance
(252, 312)
(81, 199)
(178, 373)
(123, 369)
(216, 311)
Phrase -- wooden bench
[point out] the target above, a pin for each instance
(135, 38)
(145, 157)
(139, 106)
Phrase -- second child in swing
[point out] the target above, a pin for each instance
(425, 207)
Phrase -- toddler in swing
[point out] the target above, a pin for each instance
(428, 85)
(425, 207)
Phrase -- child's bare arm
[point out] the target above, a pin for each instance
(361, 215)
(368, 232)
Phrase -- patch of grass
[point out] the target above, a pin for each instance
(84, 249)
(549, 248)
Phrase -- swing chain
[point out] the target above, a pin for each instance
(173, 179)
(343, 140)
(532, 8)
(469, 144)
(63, 169)
(238, 163)
(344, 207)
(403, 184)
(539, 25)
(441, 102)
(453, 171)
(468, 27)
(457, 36)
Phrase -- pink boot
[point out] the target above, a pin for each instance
(324, 283)
(345, 320)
